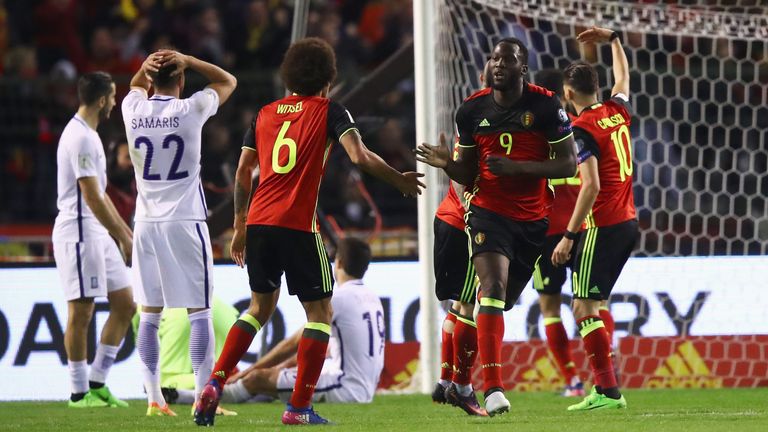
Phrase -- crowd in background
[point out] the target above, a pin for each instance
(46, 44)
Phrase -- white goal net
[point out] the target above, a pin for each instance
(699, 82)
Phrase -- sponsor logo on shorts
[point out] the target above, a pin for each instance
(480, 238)
(94, 282)
(594, 290)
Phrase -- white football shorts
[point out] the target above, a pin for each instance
(173, 264)
(90, 268)
(330, 387)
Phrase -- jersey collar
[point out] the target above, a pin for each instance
(161, 97)
(358, 282)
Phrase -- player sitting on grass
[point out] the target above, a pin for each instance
(356, 347)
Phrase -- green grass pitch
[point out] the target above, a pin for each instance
(732, 410)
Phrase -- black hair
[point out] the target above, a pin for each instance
(582, 77)
(551, 79)
(92, 86)
(163, 78)
(354, 256)
(308, 66)
(519, 43)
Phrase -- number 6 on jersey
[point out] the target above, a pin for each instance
(280, 142)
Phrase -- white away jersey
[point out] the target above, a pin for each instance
(164, 138)
(358, 327)
(80, 154)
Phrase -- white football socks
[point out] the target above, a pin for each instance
(102, 362)
(78, 375)
(201, 347)
(149, 350)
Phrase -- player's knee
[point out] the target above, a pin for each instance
(465, 309)
(494, 289)
(80, 320)
(585, 307)
(125, 311)
(550, 305)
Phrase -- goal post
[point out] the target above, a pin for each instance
(426, 131)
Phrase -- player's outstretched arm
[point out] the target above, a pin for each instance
(620, 63)
(249, 160)
(100, 206)
(408, 183)
(590, 187)
(221, 81)
(463, 170)
(141, 79)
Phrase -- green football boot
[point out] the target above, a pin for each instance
(90, 400)
(105, 395)
(597, 401)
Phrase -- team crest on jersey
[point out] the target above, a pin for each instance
(480, 238)
(527, 119)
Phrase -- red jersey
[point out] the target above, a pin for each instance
(602, 131)
(293, 138)
(566, 193)
(450, 210)
(522, 132)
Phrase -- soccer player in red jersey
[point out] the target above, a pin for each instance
(506, 134)
(548, 279)
(606, 203)
(455, 280)
(290, 140)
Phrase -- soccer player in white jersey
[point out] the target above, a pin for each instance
(88, 261)
(172, 248)
(355, 351)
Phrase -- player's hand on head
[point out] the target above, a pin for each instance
(237, 247)
(562, 252)
(436, 156)
(501, 166)
(175, 58)
(411, 185)
(152, 63)
(595, 35)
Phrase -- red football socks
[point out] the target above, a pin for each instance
(557, 341)
(598, 349)
(237, 343)
(465, 350)
(490, 333)
(310, 357)
(446, 349)
(610, 325)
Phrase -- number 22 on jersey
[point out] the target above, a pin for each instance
(173, 171)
